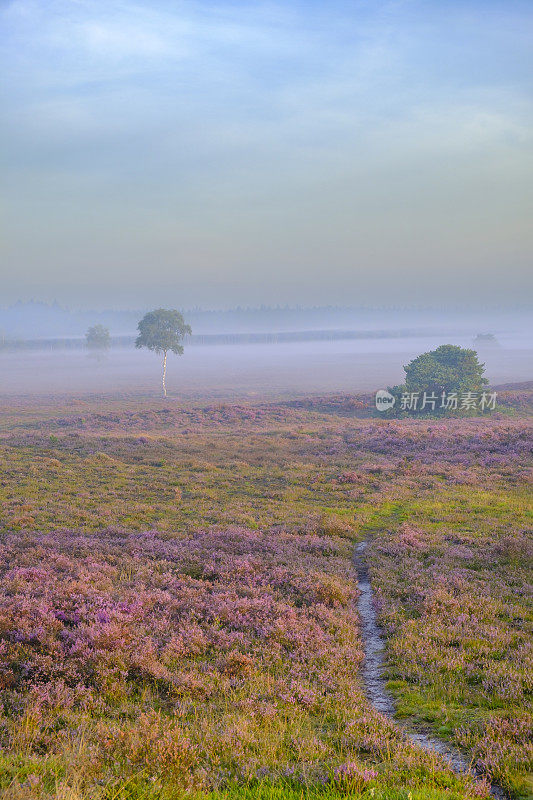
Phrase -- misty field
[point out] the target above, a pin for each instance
(178, 603)
(256, 371)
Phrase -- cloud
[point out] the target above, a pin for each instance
(120, 41)
(235, 133)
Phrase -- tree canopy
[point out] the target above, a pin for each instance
(449, 368)
(98, 338)
(162, 330)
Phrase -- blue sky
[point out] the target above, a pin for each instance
(220, 153)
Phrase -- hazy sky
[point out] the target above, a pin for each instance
(216, 153)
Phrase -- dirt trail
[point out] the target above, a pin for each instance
(375, 684)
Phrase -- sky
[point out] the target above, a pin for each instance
(222, 153)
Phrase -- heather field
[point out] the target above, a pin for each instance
(178, 608)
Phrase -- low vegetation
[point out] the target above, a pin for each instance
(178, 603)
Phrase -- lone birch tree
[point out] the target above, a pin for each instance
(163, 330)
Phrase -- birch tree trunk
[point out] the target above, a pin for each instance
(164, 373)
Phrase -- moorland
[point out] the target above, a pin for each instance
(178, 602)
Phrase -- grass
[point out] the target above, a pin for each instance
(454, 582)
(177, 615)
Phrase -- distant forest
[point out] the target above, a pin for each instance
(38, 320)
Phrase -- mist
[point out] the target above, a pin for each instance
(323, 192)
(252, 353)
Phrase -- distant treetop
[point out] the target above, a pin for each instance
(98, 338)
(484, 339)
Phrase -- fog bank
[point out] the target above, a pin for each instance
(235, 371)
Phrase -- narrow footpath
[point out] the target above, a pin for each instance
(374, 682)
